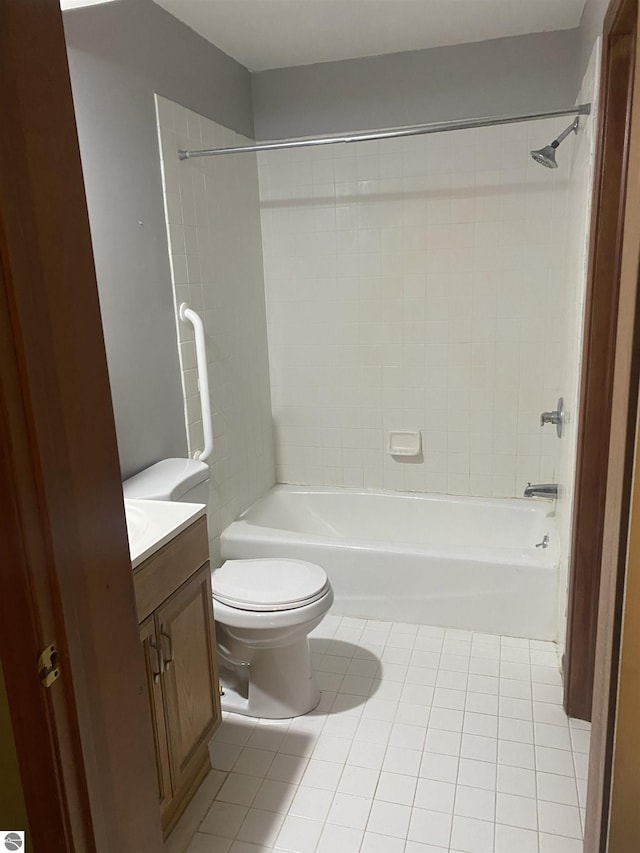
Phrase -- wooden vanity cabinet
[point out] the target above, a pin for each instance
(173, 595)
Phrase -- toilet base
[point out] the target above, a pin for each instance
(280, 683)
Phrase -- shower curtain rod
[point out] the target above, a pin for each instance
(389, 133)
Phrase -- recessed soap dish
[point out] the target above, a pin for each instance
(405, 443)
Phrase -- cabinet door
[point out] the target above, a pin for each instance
(192, 702)
(153, 665)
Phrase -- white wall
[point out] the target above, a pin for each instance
(591, 29)
(415, 284)
(572, 317)
(528, 73)
(213, 214)
(119, 55)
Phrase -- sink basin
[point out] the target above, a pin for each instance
(151, 524)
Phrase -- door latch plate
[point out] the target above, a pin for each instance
(48, 666)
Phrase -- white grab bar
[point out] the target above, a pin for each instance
(187, 315)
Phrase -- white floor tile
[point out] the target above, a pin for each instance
(446, 719)
(239, 789)
(407, 736)
(479, 748)
(477, 774)
(559, 844)
(349, 810)
(554, 715)
(398, 760)
(516, 754)
(254, 762)
(389, 819)
(339, 838)
(376, 731)
(263, 737)
(274, 796)
(396, 788)
(517, 730)
(475, 802)
(430, 827)
(224, 755)
(287, 768)
(312, 803)
(559, 819)
(519, 709)
(510, 839)
(332, 749)
(481, 703)
(443, 742)
(516, 780)
(209, 844)
(435, 796)
(580, 740)
(442, 768)
(374, 843)
(553, 736)
(360, 781)
(581, 764)
(480, 724)
(549, 760)
(260, 827)
(223, 819)
(322, 774)
(299, 835)
(512, 810)
(426, 740)
(557, 789)
(444, 698)
(515, 689)
(417, 847)
(248, 847)
(472, 836)
(364, 753)
(483, 684)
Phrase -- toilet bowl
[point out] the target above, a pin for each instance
(264, 610)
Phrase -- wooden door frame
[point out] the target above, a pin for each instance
(601, 316)
(603, 801)
(84, 745)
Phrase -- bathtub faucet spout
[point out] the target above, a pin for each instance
(541, 490)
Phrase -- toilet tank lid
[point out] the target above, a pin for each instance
(166, 480)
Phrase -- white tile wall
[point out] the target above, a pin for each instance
(212, 209)
(414, 284)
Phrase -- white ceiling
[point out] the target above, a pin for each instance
(265, 34)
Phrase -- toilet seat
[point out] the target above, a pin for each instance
(268, 585)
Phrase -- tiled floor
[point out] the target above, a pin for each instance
(425, 740)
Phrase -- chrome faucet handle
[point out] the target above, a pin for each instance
(549, 418)
(556, 417)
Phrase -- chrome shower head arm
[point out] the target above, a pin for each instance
(547, 156)
(573, 128)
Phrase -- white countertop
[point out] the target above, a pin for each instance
(151, 524)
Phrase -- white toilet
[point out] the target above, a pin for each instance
(264, 609)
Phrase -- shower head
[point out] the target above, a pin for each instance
(547, 156)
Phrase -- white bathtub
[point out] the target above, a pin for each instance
(460, 562)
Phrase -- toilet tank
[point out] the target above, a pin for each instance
(184, 480)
